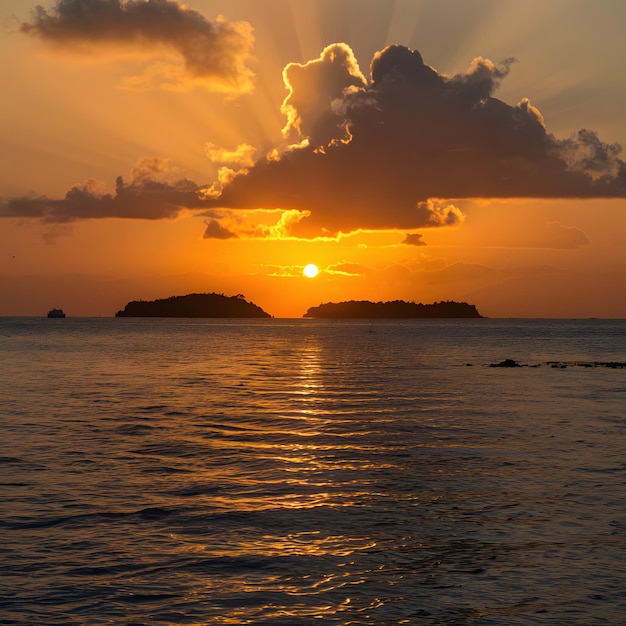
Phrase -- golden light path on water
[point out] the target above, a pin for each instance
(312, 476)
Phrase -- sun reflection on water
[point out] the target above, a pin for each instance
(309, 386)
(293, 446)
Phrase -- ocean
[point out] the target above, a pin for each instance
(295, 472)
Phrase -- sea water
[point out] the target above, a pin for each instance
(175, 471)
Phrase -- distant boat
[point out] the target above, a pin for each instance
(56, 313)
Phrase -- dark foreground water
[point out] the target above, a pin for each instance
(312, 472)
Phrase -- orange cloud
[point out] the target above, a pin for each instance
(315, 88)
(242, 156)
(347, 269)
(247, 224)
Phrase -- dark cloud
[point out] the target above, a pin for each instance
(401, 63)
(584, 152)
(364, 155)
(214, 230)
(214, 52)
(376, 153)
(414, 239)
(148, 195)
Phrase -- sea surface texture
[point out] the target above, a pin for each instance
(172, 471)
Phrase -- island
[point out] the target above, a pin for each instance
(397, 309)
(194, 305)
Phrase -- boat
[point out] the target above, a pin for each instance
(56, 313)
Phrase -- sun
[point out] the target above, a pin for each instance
(310, 270)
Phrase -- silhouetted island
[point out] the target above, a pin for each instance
(194, 305)
(397, 309)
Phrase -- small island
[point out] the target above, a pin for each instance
(397, 309)
(195, 305)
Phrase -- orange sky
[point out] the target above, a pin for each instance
(417, 150)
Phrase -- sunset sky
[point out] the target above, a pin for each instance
(421, 150)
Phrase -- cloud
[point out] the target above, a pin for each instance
(255, 224)
(315, 89)
(414, 239)
(564, 237)
(382, 154)
(151, 194)
(283, 227)
(549, 236)
(347, 269)
(214, 54)
(242, 156)
(518, 225)
(432, 213)
(371, 155)
(584, 152)
(214, 230)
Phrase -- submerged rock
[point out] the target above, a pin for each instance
(506, 363)
(562, 364)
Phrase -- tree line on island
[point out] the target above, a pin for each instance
(194, 305)
(220, 306)
(396, 309)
